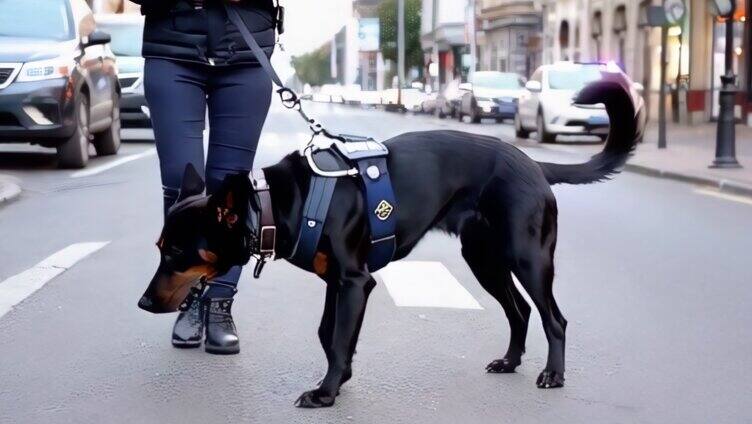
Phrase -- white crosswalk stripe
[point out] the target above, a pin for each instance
(425, 284)
(20, 286)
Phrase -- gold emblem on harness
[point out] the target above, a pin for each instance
(383, 210)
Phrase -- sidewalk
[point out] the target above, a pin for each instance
(690, 151)
(9, 189)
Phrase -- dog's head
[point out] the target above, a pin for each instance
(203, 236)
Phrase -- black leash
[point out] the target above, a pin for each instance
(288, 97)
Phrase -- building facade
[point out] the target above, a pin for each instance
(508, 36)
(445, 40)
(371, 66)
(617, 30)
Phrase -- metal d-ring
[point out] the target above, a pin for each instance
(308, 153)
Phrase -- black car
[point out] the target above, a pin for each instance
(126, 31)
(58, 80)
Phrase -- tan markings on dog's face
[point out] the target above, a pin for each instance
(171, 289)
(320, 264)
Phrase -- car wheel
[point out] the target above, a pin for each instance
(543, 135)
(440, 113)
(74, 152)
(108, 142)
(475, 118)
(519, 130)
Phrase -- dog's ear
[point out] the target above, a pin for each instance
(192, 184)
(229, 204)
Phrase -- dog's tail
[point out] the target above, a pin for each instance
(626, 129)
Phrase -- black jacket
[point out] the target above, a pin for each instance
(176, 30)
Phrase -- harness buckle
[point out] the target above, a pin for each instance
(267, 241)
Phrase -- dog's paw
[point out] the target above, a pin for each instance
(346, 376)
(550, 380)
(314, 399)
(502, 366)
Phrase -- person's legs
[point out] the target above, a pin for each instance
(176, 93)
(239, 99)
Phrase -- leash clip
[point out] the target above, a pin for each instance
(260, 262)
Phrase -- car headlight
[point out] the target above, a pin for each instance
(59, 67)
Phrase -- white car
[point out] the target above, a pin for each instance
(546, 106)
(412, 99)
(329, 93)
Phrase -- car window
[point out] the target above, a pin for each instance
(574, 78)
(44, 19)
(126, 38)
(497, 80)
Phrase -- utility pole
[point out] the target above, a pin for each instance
(435, 53)
(400, 48)
(473, 40)
(662, 97)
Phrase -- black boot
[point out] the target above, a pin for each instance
(221, 335)
(189, 327)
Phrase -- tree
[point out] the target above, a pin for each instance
(315, 67)
(388, 32)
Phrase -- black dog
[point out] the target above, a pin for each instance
(495, 198)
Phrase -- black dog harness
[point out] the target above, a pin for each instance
(361, 158)
(345, 156)
(358, 157)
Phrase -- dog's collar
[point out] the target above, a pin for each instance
(266, 235)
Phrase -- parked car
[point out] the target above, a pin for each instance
(58, 80)
(491, 94)
(448, 101)
(546, 107)
(428, 105)
(126, 31)
(351, 94)
(412, 99)
(329, 93)
(370, 98)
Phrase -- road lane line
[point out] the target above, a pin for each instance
(20, 286)
(425, 284)
(725, 196)
(117, 162)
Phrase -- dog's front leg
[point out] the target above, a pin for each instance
(352, 295)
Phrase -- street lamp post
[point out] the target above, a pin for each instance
(725, 144)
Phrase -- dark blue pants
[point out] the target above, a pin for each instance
(238, 100)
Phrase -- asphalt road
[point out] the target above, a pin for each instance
(652, 275)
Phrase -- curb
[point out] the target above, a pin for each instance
(722, 185)
(9, 189)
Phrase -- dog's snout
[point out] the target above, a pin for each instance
(146, 304)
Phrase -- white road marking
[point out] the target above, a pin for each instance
(425, 284)
(117, 162)
(725, 196)
(20, 286)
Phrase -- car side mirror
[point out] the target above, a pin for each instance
(466, 86)
(534, 86)
(96, 38)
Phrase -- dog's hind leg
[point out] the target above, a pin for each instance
(481, 248)
(533, 241)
